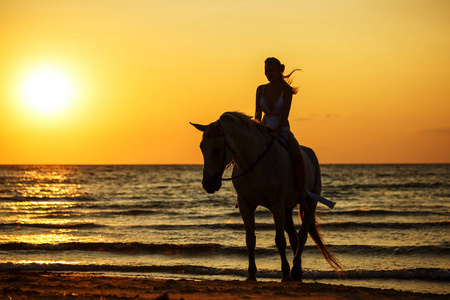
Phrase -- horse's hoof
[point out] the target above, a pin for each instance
(297, 273)
(286, 279)
(251, 279)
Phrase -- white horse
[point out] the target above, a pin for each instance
(263, 175)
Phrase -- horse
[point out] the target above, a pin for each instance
(263, 176)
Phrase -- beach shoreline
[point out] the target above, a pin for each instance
(49, 285)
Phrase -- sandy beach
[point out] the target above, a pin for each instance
(43, 285)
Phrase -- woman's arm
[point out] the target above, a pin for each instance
(258, 109)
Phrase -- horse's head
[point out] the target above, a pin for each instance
(216, 155)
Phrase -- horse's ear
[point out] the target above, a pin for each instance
(198, 126)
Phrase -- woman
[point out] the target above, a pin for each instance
(274, 99)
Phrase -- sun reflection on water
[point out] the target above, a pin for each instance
(47, 184)
(45, 262)
(49, 238)
(41, 206)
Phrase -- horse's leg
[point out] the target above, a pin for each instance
(290, 229)
(293, 240)
(308, 219)
(280, 241)
(248, 216)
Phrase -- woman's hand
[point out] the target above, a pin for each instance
(274, 133)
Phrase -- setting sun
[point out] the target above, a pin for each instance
(47, 90)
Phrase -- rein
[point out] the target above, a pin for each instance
(250, 167)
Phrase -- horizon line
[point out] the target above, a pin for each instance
(196, 164)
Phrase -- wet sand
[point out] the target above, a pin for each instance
(42, 285)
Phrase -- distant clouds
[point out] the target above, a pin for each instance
(302, 119)
(315, 117)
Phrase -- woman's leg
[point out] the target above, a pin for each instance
(299, 170)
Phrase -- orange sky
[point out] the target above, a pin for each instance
(375, 86)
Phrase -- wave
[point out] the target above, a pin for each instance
(77, 209)
(396, 186)
(435, 274)
(387, 225)
(433, 250)
(328, 226)
(162, 209)
(132, 212)
(213, 248)
(128, 248)
(75, 198)
(52, 226)
(439, 210)
(126, 206)
(226, 226)
(74, 214)
(354, 225)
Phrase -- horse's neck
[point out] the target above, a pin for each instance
(246, 146)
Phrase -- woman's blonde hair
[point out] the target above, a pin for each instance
(285, 79)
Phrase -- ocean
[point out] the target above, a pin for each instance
(389, 229)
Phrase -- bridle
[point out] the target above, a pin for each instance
(251, 166)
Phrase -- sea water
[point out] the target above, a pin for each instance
(389, 229)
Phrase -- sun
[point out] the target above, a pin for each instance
(47, 90)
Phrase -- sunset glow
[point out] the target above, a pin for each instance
(118, 82)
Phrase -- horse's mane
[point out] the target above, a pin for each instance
(247, 120)
(242, 116)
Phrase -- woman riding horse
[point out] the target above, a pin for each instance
(274, 99)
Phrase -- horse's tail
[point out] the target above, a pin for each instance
(323, 248)
(314, 227)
